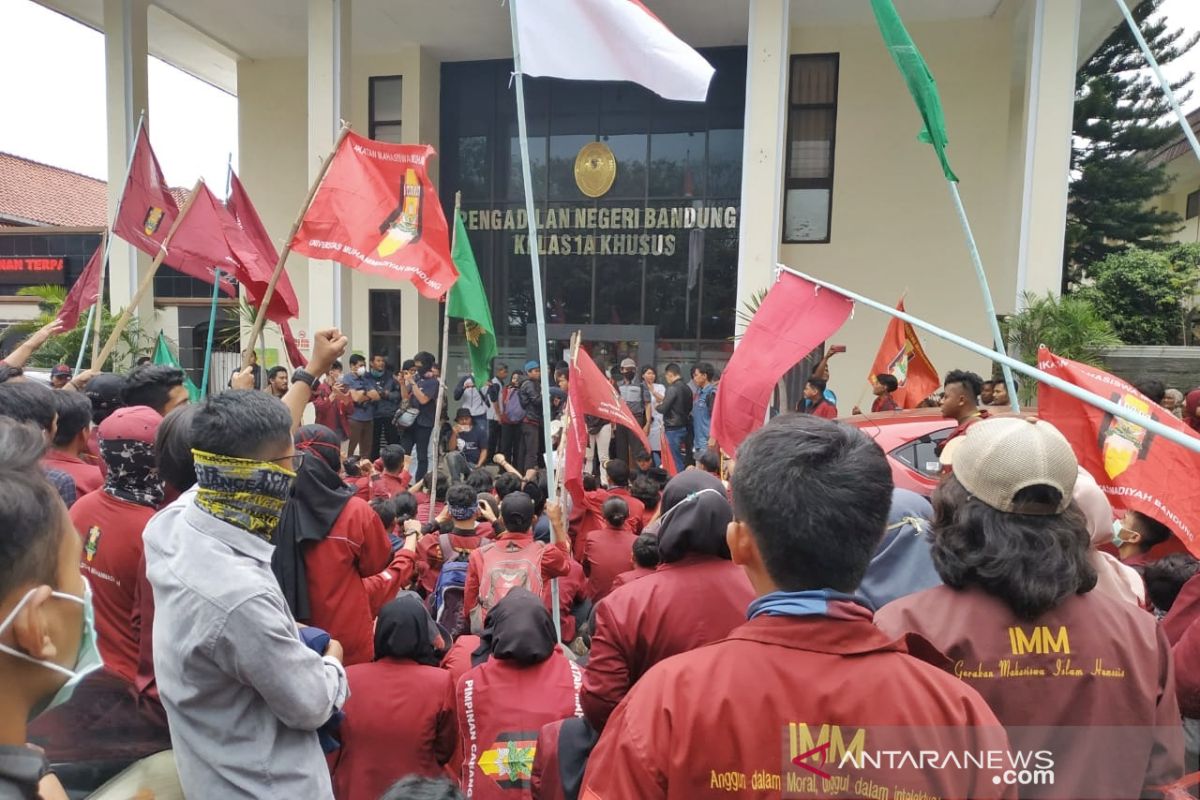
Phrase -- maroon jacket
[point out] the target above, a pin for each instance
(332, 412)
(717, 721)
(631, 575)
(1184, 635)
(606, 554)
(503, 705)
(87, 476)
(400, 720)
(572, 589)
(357, 547)
(683, 605)
(1093, 661)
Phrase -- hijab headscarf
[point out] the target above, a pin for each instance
(127, 447)
(695, 514)
(901, 565)
(519, 629)
(1190, 404)
(405, 630)
(1113, 578)
(317, 502)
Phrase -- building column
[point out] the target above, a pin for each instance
(125, 68)
(1049, 112)
(328, 105)
(763, 147)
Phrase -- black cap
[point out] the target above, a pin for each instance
(517, 512)
(104, 390)
(61, 371)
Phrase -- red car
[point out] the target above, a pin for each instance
(909, 438)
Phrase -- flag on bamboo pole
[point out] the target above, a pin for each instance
(284, 305)
(590, 393)
(1137, 470)
(791, 321)
(163, 355)
(902, 356)
(920, 81)
(147, 209)
(469, 302)
(609, 40)
(377, 211)
(85, 292)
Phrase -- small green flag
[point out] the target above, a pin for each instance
(469, 303)
(916, 74)
(163, 355)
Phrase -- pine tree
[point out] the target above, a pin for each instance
(1122, 118)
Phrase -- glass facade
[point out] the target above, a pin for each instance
(658, 248)
(74, 249)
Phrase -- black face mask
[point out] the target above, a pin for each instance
(628, 375)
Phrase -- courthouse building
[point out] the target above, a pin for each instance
(659, 220)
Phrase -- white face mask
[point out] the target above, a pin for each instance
(360, 371)
(87, 660)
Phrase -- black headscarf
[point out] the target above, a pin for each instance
(317, 501)
(518, 628)
(693, 520)
(405, 630)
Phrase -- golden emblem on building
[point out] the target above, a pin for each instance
(595, 169)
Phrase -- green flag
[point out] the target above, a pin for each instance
(916, 74)
(163, 355)
(469, 303)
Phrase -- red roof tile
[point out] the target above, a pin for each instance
(1180, 145)
(32, 193)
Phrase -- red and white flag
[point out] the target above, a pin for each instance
(147, 208)
(591, 394)
(608, 40)
(85, 291)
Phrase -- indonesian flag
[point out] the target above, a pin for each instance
(284, 304)
(791, 321)
(147, 209)
(902, 356)
(591, 394)
(376, 211)
(1137, 470)
(608, 40)
(85, 292)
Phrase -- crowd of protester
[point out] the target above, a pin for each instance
(322, 610)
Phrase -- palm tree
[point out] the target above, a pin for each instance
(64, 347)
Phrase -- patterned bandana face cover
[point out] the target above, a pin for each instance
(245, 493)
(132, 471)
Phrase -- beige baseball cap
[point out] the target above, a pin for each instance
(628, 363)
(999, 457)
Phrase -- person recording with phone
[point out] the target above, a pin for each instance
(467, 449)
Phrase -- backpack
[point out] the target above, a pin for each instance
(511, 407)
(506, 565)
(446, 602)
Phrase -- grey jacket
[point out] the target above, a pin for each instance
(243, 695)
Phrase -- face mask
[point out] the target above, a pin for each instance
(1117, 541)
(378, 373)
(245, 493)
(87, 660)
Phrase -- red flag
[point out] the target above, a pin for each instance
(668, 458)
(202, 243)
(902, 356)
(792, 320)
(1137, 470)
(591, 394)
(85, 291)
(376, 211)
(284, 306)
(147, 208)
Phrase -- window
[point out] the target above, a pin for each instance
(384, 108)
(385, 324)
(1193, 205)
(812, 118)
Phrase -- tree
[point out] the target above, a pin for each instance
(63, 348)
(1122, 118)
(1149, 296)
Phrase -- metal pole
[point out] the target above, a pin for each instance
(441, 398)
(1162, 80)
(87, 330)
(1104, 404)
(212, 326)
(988, 305)
(536, 271)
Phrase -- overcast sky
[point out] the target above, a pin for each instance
(52, 97)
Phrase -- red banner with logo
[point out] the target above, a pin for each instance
(1137, 470)
(902, 356)
(376, 211)
(147, 208)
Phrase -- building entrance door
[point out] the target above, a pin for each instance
(607, 344)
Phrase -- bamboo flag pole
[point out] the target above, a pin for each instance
(1104, 404)
(260, 319)
(147, 282)
(534, 261)
(436, 439)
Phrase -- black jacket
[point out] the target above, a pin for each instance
(530, 394)
(676, 407)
